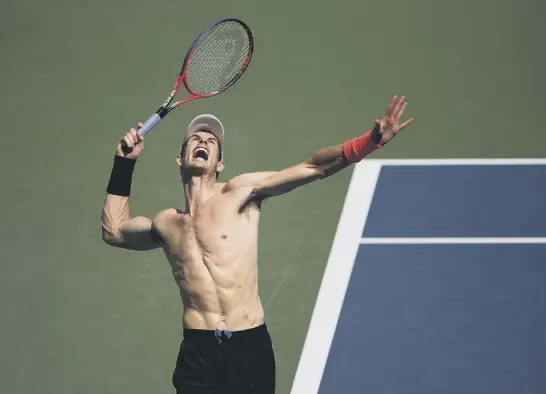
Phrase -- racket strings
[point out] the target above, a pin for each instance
(217, 58)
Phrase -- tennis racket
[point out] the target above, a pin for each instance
(216, 59)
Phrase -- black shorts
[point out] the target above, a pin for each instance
(211, 362)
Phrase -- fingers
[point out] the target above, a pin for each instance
(406, 124)
(139, 136)
(129, 140)
(396, 107)
(132, 138)
(399, 108)
(133, 135)
(392, 105)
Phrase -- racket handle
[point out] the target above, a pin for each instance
(149, 124)
(145, 129)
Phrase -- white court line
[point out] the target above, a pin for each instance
(451, 240)
(336, 278)
(460, 162)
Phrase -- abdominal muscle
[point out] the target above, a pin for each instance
(213, 255)
(218, 291)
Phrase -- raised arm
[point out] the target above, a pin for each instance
(119, 228)
(331, 160)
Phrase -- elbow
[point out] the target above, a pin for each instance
(325, 171)
(320, 173)
(106, 238)
(110, 238)
(315, 171)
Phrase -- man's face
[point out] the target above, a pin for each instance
(201, 153)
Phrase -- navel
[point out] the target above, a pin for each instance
(224, 236)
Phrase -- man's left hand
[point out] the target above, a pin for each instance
(387, 127)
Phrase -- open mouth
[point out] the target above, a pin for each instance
(201, 154)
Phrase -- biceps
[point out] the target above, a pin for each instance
(139, 233)
(249, 180)
(284, 181)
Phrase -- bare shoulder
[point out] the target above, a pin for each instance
(166, 215)
(249, 180)
(239, 189)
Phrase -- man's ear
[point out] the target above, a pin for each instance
(180, 156)
(220, 166)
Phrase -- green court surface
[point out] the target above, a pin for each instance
(80, 317)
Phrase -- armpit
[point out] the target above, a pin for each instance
(253, 202)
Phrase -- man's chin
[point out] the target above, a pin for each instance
(196, 168)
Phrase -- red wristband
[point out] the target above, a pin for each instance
(356, 149)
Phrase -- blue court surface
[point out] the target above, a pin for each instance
(435, 284)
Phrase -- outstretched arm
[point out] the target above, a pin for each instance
(328, 161)
(322, 164)
(119, 228)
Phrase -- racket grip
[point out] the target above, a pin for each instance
(145, 129)
(149, 124)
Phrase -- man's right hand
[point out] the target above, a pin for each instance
(134, 140)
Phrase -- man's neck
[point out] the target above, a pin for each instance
(197, 190)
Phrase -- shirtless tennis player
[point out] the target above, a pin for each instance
(212, 247)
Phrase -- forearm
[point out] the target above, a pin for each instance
(328, 161)
(320, 165)
(116, 209)
(119, 228)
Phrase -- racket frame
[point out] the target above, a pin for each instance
(168, 105)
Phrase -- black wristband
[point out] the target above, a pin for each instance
(121, 176)
(375, 135)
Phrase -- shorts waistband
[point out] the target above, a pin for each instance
(223, 333)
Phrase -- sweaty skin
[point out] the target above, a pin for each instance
(212, 244)
(213, 255)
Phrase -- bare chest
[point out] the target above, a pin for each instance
(215, 233)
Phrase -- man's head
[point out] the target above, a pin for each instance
(202, 149)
